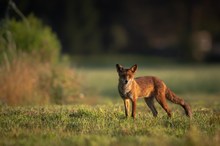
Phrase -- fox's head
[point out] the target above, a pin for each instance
(126, 75)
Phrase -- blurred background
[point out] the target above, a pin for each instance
(184, 29)
(63, 50)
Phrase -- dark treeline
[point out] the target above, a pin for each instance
(189, 28)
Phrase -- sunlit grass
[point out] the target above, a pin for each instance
(105, 124)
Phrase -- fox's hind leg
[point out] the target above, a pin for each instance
(150, 102)
(162, 101)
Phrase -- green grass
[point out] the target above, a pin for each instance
(106, 125)
(98, 118)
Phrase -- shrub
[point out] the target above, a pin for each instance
(30, 36)
(29, 69)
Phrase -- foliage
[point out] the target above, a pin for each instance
(105, 125)
(29, 36)
(29, 69)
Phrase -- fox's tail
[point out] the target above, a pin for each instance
(175, 99)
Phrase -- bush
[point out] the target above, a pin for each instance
(30, 36)
(29, 69)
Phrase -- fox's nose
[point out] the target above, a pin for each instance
(126, 81)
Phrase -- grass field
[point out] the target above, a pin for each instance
(97, 118)
(106, 125)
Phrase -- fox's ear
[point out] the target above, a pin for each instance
(134, 68)
(119, 67)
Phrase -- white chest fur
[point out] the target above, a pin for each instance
(125, 90)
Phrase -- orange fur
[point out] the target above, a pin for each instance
(147, 87)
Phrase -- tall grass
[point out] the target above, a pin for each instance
(24, 80)
(17, 80)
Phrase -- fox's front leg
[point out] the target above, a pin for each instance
(133, 108)
(127, 106)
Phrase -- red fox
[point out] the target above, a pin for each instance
(148, 87)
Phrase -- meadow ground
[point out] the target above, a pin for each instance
(97, 118)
